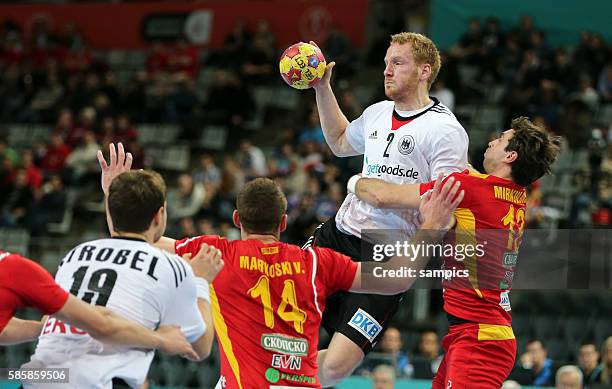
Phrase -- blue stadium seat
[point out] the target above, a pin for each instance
(489, 118)
(136, 59)
(410, 339)
(557, 350)
(602, 328)
(173, 157)
(23, 135)
(15, 240)
(174, 371)
(63, 226)
(546, 326)
(214, 137)
(604, 115)
(576, 328)
(157, 134)
(117, 58)
(521, 325)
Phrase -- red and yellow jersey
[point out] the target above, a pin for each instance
(267, 304)
(490, 219)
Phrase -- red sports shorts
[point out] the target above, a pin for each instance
(476, 356)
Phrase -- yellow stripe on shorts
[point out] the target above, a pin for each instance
(494, 332)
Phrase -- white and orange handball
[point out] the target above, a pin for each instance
(302, 65)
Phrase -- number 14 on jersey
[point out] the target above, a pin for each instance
(288, 309)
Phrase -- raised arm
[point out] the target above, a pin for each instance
(333, 121)
(381, 194)
(437, 207)
(120, 162)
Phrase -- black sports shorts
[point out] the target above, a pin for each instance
(360, 317)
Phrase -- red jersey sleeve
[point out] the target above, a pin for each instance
(36, 288)
(461, 177)
(192, 245)
(425, 187)
(335, 271)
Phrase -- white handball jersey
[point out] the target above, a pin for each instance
(401, 150)
(132, 278)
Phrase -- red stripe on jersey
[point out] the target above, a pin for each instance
(396, 123)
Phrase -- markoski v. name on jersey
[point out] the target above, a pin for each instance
(401, 150)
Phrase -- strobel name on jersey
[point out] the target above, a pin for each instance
(134, 259)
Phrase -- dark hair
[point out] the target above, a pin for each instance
(533, 340)
(536, 149)
(589, 342)
(428, 330)
(261, 205)
(134, 197)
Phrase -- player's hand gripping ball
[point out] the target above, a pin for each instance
(302, 65)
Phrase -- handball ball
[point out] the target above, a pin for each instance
(302, 65)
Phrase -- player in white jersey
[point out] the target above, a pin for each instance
(409, 139)
(128, 275)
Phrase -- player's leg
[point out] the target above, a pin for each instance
(477, 364)
(457, 358)
(439, 379)
(339, 360)
(356, 320)
(494, 360)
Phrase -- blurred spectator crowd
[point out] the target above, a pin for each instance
(85, 100)
(568, 90)
(54, 79)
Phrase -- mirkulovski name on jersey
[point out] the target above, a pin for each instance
(136, 259)
(380, 169)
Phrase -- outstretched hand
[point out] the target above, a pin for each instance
(325, 80)
(120, 162)
(439, 204)
(175, 343)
